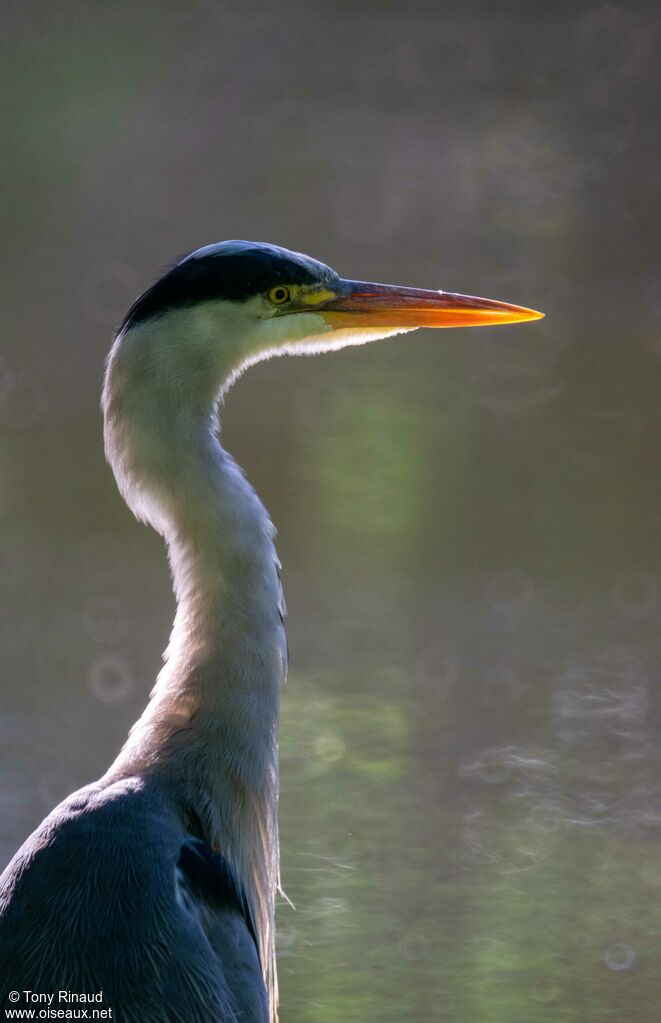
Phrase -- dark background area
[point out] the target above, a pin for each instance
(468, 520)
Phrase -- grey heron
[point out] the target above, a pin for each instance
(155, 885)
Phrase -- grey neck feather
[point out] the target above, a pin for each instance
(208, 734)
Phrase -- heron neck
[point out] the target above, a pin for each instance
(213, 714)
(208, 734)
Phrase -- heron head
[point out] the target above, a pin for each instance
(226, 306)
(238, 302)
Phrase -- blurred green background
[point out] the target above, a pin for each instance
(471, 777)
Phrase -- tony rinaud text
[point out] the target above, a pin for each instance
(63, 997)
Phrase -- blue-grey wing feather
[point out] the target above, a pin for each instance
(111, 894)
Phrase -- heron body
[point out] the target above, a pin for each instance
(156, 884)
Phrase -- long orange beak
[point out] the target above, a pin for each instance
(387, 305)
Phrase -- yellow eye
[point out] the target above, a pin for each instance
(279, 295)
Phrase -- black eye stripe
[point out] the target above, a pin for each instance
(230, 273)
